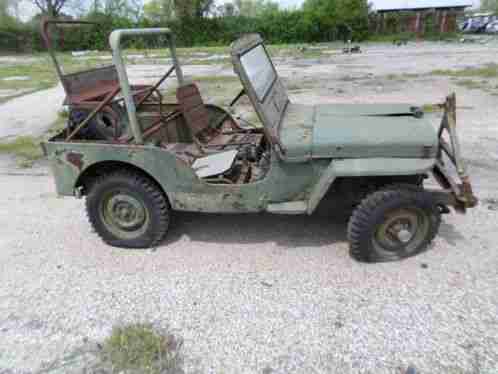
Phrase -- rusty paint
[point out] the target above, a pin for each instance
(75, 159)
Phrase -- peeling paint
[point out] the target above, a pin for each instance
(75, 159)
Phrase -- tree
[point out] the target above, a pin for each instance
(9, 12)
(185, 9)
(226, 10)
(159, 11)
(328, 18)
(255, 8)
(489, 5)
(123, 8)
(51, 8)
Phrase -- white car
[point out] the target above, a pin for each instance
(492, 27)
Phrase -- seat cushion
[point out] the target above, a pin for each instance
(215, 164)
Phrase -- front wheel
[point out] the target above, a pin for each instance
(392, 225)
(128, 210)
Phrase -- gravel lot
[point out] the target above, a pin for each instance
(261, 293)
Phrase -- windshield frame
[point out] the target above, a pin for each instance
(269, 87)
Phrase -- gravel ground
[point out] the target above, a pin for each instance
(31, 114)
(260, 293)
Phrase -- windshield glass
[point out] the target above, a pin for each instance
(259, 70)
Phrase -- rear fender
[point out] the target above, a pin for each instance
(70, 162)
(363, 168)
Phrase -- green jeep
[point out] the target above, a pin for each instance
(137, 158)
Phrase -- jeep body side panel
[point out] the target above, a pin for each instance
(364, 167)
(284, 182)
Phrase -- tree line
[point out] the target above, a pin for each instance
(194, 22)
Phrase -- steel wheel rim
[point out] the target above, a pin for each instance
(124, 215)
(401, 233)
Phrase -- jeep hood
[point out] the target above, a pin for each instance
(356, 131)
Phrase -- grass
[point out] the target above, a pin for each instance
(471, 84)
(140, 348)
(389, 38)
(209, 79)
(485, 71)
(408, 36)
(41, 75)
(41, 72)
(26, 149)
(432, 108)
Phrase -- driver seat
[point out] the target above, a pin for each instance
(197, 119)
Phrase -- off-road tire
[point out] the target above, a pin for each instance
(139, 190)
(373, 212)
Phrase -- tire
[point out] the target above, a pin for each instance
(128, 210)
(391, 225)
(101, 126)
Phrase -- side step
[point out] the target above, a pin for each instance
(288, 207)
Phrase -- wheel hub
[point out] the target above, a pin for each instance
(124, 212)
(404, 236)
(398, 230)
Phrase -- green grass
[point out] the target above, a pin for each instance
(26, 149)
(215, 79)
(41, 75)
(139, 348)
(432, 108)
(389, 38)
(471, 84)
(485, 71)
(407, 36)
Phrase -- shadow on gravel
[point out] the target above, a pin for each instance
(450, 234)
(326, 226)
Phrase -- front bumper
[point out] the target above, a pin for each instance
(450, 171)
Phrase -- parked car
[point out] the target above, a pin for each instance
(477, 23)
(492, 27)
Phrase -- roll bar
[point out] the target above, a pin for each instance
(117, 58)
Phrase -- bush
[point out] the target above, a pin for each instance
(139, 348)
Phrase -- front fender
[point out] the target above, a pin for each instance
(364, 167)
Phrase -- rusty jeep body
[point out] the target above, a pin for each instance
(136, 158)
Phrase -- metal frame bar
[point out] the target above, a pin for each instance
(155, 87)
(97, 109)
(462, 192)
(115, 43)
(50, 48)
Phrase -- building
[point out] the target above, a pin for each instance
(419, 16)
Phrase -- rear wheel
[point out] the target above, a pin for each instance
(393, 224)
(128, 210)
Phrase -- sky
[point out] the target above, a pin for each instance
(28, 10)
